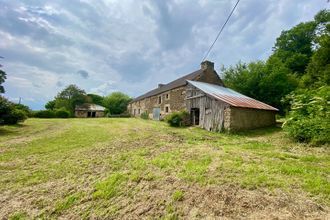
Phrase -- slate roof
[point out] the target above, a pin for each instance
(230, 96)
(171, 85)
(89, 107)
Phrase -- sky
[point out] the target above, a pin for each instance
(130, 46)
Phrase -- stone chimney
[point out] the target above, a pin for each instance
(207, 65)
(160, 85)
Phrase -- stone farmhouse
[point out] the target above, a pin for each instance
(211, 105)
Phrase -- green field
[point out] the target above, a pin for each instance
(134, 168)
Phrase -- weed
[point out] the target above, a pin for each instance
(110, 187)
(178, 195)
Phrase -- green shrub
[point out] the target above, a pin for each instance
(144, 115)
(9, 114)
(14, 117)
(309, 118)
(62, 113)
(44, 114)
(178, 119)
(24, 108)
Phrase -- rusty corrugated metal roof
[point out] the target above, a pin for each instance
(230, 96)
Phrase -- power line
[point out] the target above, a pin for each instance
(223, 26)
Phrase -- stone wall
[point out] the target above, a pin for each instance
(176, 97)
(83, 114)
(245, 118)
(173, 99)
(210, 76)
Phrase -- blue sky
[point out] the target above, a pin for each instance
(130, 46)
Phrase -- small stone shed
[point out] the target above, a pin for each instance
(217, 108)
(88, 110)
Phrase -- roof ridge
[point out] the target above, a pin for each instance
(181, 81)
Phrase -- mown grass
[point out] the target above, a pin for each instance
(99, 167)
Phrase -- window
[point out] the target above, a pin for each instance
(159, 99)
(134, 111)
(167, 96)
(139, 111)
(167, 108)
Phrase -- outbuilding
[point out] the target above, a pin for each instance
(217, 108)
(88, 110)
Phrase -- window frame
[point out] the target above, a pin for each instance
(160, 99)
(168, 108)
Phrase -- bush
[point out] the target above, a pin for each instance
(24, 108)
(15, 116)
(309, 118)
(9, 114)
(144, 115)
(44, 114)
(178, 119)
(62, 113)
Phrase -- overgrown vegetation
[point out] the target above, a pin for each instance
(11, 113)
(178, 119)
(309, 118)
(300, 59)
(145, 115)
(56, 113)
(133, 168)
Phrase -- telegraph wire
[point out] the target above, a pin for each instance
(223, 26)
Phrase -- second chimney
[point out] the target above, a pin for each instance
(207, 65)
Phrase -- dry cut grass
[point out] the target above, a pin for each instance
(136, 169)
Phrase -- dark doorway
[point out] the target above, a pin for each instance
(194, 114)
(89, 114)
(93, 114)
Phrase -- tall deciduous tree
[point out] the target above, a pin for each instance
(96, 99)
(268, 82)
(294, 47)
(70, 97)
(117, 102)
(50, 105)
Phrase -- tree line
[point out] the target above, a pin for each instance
(295, 79)
(62, 106)
(71, 96)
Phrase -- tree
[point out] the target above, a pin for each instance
(96, 99)
(318, 70)
(268, 82)
(117, 102)
(294, 47)
(245, 78)
(69, 97)
(50, 105)
(2, 80)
